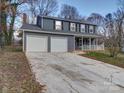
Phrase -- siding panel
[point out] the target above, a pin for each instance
(78, 28)
(65, 26)
(48, 24)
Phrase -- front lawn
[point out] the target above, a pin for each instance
(15, 74)
(104, 57)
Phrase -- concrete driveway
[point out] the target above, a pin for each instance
(70, 73)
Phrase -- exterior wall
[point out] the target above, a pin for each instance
(87, 28)
(95, 28)
(48, 24)
(66, 26)
(39, 21)
(78, 28)
(71, 40)
(71, 43)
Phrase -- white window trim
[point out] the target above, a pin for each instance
(58, 27)
(73, 27)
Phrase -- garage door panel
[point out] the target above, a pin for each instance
(59, 44)
(36, 43)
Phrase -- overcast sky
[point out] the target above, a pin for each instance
(86, 7)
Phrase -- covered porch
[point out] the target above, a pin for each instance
(88, 44)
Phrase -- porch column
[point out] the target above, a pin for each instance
(90, 43)
(82, 47)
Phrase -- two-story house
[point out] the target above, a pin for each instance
(52, 34)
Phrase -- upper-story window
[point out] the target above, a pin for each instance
(82, 28)
(91, 29)
(58, 25)
(73, 27)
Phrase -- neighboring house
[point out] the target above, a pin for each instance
(52, 34)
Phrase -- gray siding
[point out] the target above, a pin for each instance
(87, 28)
(71, 43)
(71, 40)
(48, 24)
(95, 29)
(39, 21)
(66, 26)
(78, 27)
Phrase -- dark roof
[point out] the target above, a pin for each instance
(30, 27)
(71, 20)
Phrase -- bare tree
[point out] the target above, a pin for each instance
(111, 25)
(121, 4)
(9, 11)
(119, 17)
(112, 42)
(69, 12)
(33, 9)
(47, 7)
(99, 20)
(96, 18)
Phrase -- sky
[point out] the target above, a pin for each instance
(86, 7)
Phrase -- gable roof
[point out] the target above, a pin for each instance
(30, 27)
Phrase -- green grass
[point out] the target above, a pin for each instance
(104, 57)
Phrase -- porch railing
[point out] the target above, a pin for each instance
(93, 47)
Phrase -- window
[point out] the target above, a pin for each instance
(82, 28)
(91, 29)
(58, 25)
(72, 26)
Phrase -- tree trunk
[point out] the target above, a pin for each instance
(11, 29)
(120, 36)
(4, 25)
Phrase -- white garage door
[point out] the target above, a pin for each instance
(59, 44)
(35, 43)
